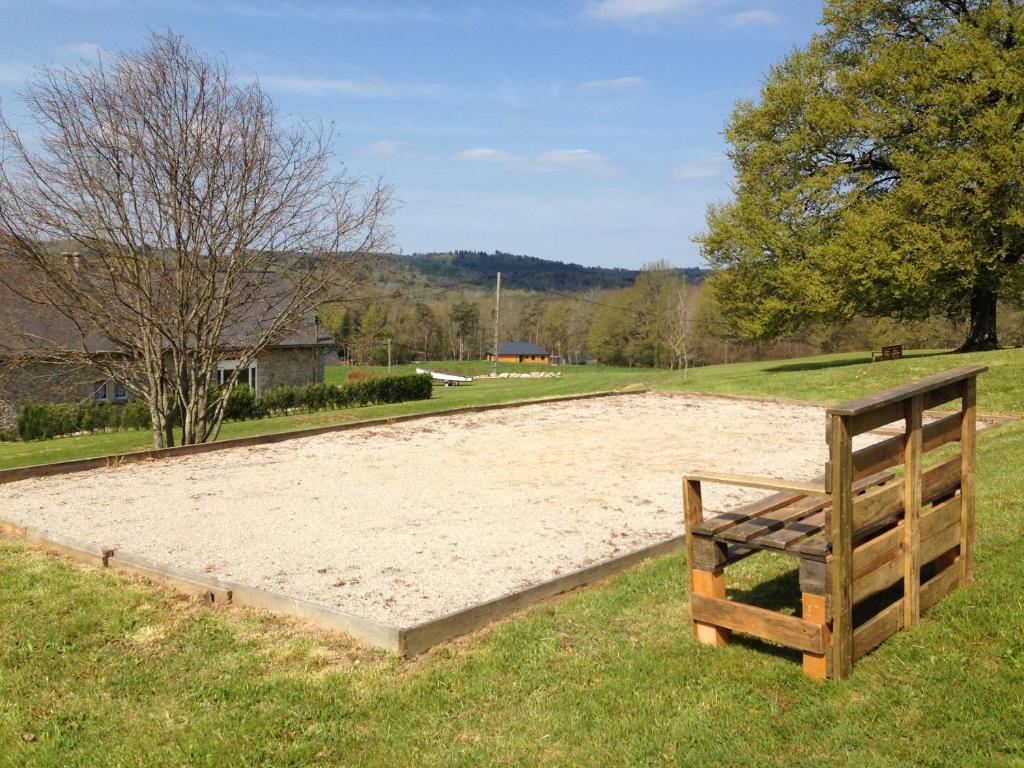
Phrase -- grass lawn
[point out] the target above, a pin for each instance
(103, 670)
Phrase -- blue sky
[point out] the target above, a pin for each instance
(580, 130)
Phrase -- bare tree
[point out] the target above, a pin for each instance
(201, 220)
(681, 322)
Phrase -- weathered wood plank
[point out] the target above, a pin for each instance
(906, 391)
(876, 630)
(841, 522)
(889, 453)
(790, 631)
(742, 514)
(940, 517)
(876, 551)
(872, 419)
(941, 480)
(814, 577)
(693, 515)
(879, 579)
(943, 395)
(940, 585)
(877, 504)
(774, 519)
(792, 534)
(912, 512)
(766, 483)
(940, 543)
(969, 420)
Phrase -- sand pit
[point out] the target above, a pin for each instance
(410, 522)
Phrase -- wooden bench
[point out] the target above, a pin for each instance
(864, 536)
(890, 352)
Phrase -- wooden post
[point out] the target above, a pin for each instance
(968, 427)
(841, 450)
(912, 512)
(815, 609)
(709, 584)
(693, 514)
(497, 309)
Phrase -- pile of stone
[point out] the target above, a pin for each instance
(529, 375)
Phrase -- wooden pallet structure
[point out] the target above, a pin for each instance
(882, 536)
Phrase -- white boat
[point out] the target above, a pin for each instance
(448, 379)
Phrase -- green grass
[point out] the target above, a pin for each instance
(825, 378)
(105, 671)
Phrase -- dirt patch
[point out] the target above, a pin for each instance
(417, 520)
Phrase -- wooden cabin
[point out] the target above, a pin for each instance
(521, 352)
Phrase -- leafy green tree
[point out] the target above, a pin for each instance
(880, 173)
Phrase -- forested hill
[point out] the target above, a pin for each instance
(523, 272)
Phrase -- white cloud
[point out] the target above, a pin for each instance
(615, 84)
(371, 88)
(83, 50)
(630, 10)
(383, 147)
(486, 154)
(570, 160)
(574, 160)
(757, 17)
(15, 73)
(702, 168)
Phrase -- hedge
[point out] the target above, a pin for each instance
(40, 421)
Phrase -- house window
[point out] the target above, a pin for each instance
(227, 367)
(99, 392)
(120, 393)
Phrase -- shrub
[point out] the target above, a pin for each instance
(242, 405)
(136, 415)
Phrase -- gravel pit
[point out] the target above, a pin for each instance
(410, 522)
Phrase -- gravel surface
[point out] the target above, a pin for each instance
(407, 523)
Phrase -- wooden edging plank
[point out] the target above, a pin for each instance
(406, 641)
(939, 585)
(98, 462)
(416, 639)
(777, 627)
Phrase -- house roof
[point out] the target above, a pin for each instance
(520, 348)
(30, 327)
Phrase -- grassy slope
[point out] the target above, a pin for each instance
(104, 671)
(831, 377)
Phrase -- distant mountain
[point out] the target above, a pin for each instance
(526, 273)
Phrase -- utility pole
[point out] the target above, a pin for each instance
(497, 307)
(389, 356)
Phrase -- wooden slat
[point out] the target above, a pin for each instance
(693, 515)
(940, 543)
(912, 512)
(906, 391)
(943, 395)
(889, 453)
(878, 629)
(876, 417)
(792, 534)
(721, 522)
(750, 481)
(840, 520)
(877, 504)
(775, 519)
(881, 578)
(939, 586)
(877, 551)
(940, 480)
(941, 516)
(969, 419)
(770, 625)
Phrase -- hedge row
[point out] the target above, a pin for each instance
(320, 397)
(46, 420)
(42, 421)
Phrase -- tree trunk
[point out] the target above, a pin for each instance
(982, 334)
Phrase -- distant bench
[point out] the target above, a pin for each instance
(890, 352)
(860, 533)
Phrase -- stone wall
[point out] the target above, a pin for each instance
(293, 366)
